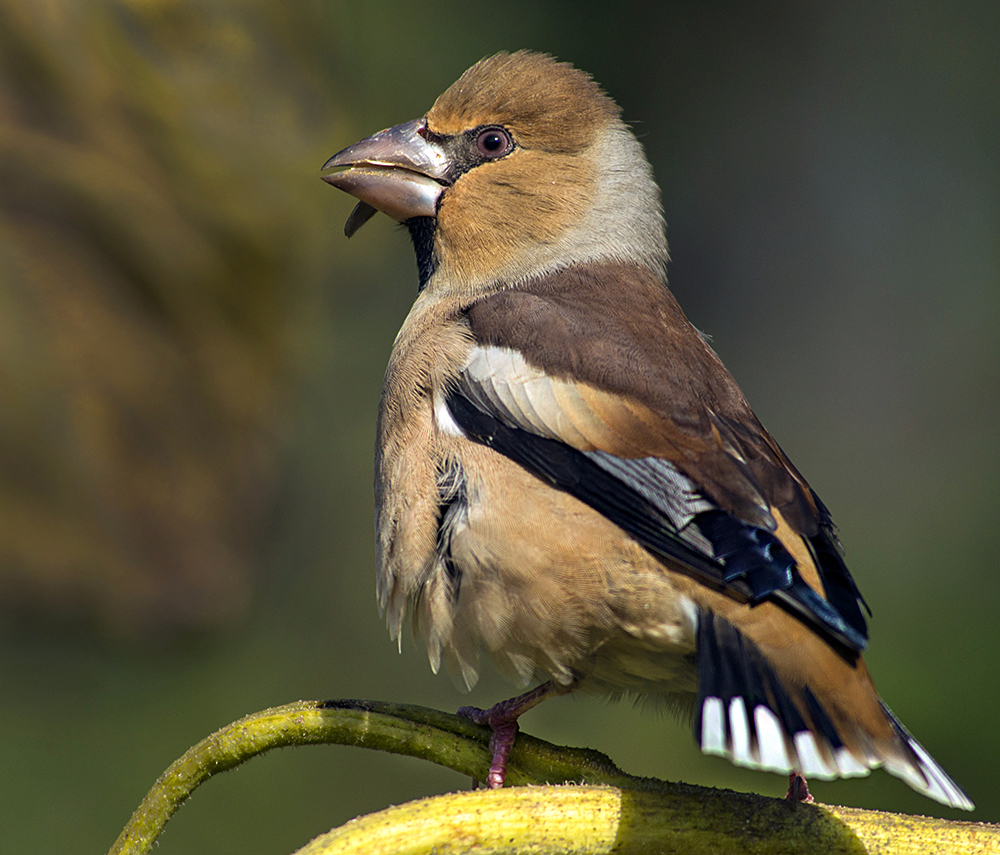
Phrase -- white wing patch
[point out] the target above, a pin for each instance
(521, 395)
(443, 419)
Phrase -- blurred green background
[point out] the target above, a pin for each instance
(191, 355)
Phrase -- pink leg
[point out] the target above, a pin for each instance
(502, 718)
(798, 790)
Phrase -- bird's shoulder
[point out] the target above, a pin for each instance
(614, 336)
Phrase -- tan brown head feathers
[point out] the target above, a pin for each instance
(547, 104)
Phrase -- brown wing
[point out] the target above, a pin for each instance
(616, 329)
(601, 360)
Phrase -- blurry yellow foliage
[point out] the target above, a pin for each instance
(153, 238)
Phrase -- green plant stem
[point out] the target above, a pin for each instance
(614, 812)
(398, 728)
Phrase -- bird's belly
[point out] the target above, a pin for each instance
(627, 664)
(552, 589)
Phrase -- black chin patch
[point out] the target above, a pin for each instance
(422, 231)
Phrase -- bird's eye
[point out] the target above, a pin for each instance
(494, 142)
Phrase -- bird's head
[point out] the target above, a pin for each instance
(521, 167)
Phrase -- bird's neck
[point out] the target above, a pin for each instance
(623, 223)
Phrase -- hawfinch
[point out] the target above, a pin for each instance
(566, 475)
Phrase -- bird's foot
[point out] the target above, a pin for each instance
(502, 719)
(798, 790)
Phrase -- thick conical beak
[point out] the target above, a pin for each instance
(396, 171)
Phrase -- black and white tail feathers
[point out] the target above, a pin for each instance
(745, 714)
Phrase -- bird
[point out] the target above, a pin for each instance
(568, 481)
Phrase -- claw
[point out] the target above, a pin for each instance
(502, 719)
(798, 790)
